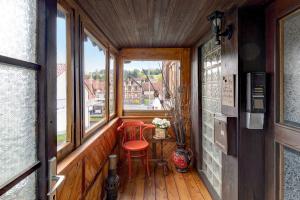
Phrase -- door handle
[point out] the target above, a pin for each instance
(54, 180)
(59, 179)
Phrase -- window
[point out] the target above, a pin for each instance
(150, 85)
(112, 85)
(62, 74)
(94, 82)
(290, 70)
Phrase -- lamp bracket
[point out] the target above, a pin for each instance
(228, 32)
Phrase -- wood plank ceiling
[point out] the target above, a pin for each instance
(153, 23)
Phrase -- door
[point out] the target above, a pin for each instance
(283, 130)
(27, 99)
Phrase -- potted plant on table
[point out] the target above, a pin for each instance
(176, 103)
(161, 126)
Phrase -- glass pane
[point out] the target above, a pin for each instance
(18, 29)
(61, 41)
(211, 103)
(112, 85)
(291, 174)
(94, 82)
(24, 190)
(150, 85)
(17, 120)
(291, 68)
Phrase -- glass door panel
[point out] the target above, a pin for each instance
(18, 23)
(289, 98)
(290, 69)
(18, 114)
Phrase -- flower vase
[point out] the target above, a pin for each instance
(182, 158)
(160, 133)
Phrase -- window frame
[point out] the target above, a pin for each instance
(112, 115)
(144, 112)
(285, 133)
(86, 133)
(67, 147)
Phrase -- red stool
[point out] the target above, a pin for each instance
(134, 143)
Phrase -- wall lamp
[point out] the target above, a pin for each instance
(216, 19)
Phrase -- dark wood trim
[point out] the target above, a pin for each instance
(46, 57)
(287, 136)
(78, 79)
(276, 133)
(19, 63)
(16, 179)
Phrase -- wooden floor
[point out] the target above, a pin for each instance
(173, 186)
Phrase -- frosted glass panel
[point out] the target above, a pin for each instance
(25, 190)
(291, 68)
(291, 174)
(17, 120)
(18, 29)
(211, 103)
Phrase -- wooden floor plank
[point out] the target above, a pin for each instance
(149, 193)
(129, 188)
(122, 171)
(201, 186)
(140, 183)
(194, 190)
(174, 186)
(160, 185)
(181, 185)
(172, 189)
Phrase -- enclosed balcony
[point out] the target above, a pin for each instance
(150, 99)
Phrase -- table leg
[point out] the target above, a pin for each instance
(153, 147)
(161, 150)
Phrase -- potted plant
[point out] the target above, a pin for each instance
(177, 107)
(161, 126)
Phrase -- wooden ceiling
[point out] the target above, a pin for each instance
(153, 23)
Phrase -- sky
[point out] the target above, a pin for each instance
(142, 65)
(93, 58)
(61, 40)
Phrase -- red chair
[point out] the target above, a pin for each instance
(134, 143)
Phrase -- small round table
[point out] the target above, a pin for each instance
(162, 161)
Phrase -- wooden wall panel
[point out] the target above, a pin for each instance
(96, 191)
(72, 186)
(87, 167)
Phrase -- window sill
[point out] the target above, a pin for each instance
(78, 153)
(150, 113)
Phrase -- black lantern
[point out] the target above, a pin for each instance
(216, 19)
(112, 180)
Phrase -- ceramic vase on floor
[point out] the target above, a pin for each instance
(182, 158)
(112, 182)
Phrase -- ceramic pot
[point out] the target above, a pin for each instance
(112, 181)
(182, 158)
